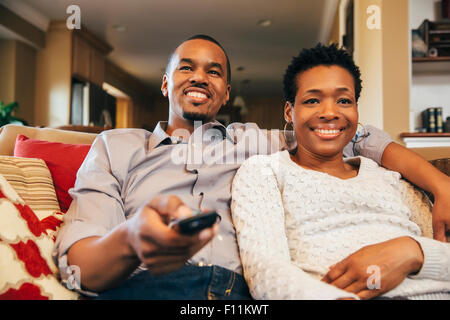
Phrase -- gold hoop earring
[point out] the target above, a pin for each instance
(360, 136)
(284, 130)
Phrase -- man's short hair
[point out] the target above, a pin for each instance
(210, 39)
(318, 56)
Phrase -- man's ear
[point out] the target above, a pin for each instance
(288, 112)
(227, 97)
(164, 85)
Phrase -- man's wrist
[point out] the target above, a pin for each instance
(124, 235)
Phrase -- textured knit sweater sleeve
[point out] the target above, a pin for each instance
(258, 216)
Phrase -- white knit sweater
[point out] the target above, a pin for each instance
(292, 224)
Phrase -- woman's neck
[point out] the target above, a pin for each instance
(332, 165)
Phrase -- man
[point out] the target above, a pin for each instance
(133, 182)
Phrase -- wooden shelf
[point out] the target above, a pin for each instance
(424, 134)
(439, 31)
(430, 59)
(427, 140)
(431, 65)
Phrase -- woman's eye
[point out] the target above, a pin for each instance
(345, 101)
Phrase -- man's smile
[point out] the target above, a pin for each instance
(197, 95)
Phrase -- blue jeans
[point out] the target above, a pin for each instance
(190, 282)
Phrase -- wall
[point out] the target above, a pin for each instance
(430, 83)
(266, 112)
(420, 10)
(18, 65)
(148, 114)
(383, 56)
(20, 28)
(396, 67)
(429, 89)
(334, 33)
(148, 104)
(53, 78)
(25, 81)
(124, 113)
(368, 56)
(7, 63)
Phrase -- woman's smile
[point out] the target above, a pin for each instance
(327, 133)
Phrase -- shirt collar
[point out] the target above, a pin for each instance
(217, 125)
(159, 135)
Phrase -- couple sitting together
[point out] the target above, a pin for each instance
(298, 221)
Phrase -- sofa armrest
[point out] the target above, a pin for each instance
(433, 153)
(444, 166)
(9, 133)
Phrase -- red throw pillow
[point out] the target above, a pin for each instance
(62, 159)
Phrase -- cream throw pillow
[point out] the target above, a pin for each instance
(27, 270)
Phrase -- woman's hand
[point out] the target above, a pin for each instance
(387, 263)
(441, 212)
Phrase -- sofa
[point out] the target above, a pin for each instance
(8, 135)
(33, 199)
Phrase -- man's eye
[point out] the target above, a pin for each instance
(311, 101)
(214, 72)
(185, 68)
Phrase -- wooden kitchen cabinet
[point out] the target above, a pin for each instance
(88, 62)
(97, 67)
(67, 54)
(81, 62)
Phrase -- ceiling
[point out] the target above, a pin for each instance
(155, 27)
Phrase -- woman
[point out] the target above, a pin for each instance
(311, 225)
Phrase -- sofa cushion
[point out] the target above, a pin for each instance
(27, 270)
(442, 164)
(32, 180)
(62, 159)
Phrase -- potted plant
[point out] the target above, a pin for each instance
(6, 111)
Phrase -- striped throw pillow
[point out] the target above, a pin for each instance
(32, 180)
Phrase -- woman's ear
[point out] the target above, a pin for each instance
(288, 112)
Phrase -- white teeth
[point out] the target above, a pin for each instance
(323, 131)
(196, 94)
